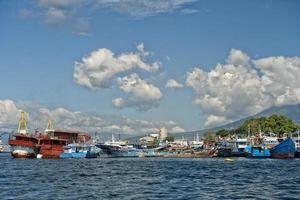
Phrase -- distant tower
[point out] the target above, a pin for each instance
(49, 128)
(163, 133)
(22, 128)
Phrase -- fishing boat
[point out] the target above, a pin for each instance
(241, 144)
(119, 150)
(238, 147)
(197, 144)
(270, 140)
(296, 140)
(52, 142)
(4, 148)
(223, 149)
(230, 147)
(257, 151)
(114, 148)
(77, 150)
(23, 144)
(285, 149)
(50, 147)
(256, 148)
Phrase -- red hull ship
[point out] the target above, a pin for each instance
(23, 144)
(51, 144)
(42, 145)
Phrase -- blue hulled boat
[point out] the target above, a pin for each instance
(79, 151)
(285, 149)
(257, 151)
(257, 148)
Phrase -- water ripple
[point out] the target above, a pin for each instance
(149, 178)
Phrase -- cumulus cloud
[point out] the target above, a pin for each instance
(173, 84)
(99, 68)
(141, 95)
(244, 86)
(213, 120)
(74, 120)
(8, 113)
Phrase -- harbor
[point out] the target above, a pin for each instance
(149, 100)
(64, 144)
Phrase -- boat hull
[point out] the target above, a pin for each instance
(117, 151)
(23, 147)
(73, 155)
(51, 151)
(257, 152)
(285, 149)
(224, 152)
(297, 153)
(22, 152)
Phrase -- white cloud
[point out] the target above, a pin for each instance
(243, 86)
(54, 16)
(188, 11)
(177, 129)
(58, 11)
(74, 120)
(141, 95)
(142, 8)
(99, 68)
(70, 12)
(173, 84)
(62, 4)
(237, 57)
(62, 12)
(213, 120)
(8, 113)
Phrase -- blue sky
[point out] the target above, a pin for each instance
(38, 55)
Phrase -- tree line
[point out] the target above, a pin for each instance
(278, 124)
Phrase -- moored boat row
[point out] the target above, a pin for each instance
(53, 143)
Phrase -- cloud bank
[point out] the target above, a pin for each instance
(80, 121)
(244, 86)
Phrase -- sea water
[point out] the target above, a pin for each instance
(149, 178)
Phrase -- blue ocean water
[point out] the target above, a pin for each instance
(149, 178)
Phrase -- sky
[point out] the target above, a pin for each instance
(134, 66)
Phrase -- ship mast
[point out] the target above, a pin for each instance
(49, 128)
(22, 128)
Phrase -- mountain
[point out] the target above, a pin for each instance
(290, 111)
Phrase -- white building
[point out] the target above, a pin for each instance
(163, 133)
